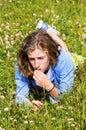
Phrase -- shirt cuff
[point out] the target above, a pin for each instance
(20, 99)
(53, 100)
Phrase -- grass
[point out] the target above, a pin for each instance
(17, 19)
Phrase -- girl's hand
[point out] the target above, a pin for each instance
(41, 79)
(37, 105)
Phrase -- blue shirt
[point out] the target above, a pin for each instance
(61, 74)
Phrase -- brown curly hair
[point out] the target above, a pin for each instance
(40, 40)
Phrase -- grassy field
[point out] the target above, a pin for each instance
(17, 19)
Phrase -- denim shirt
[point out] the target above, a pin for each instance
(61, 75)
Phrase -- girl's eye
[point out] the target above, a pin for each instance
(40, 58)
(31, 59)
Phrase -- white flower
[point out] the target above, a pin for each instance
(6, 109)
(46, 10)
(34, 14)
(2, 97)
(70, 119)
(15, 120)
(0, 112)
(1, 128)
(25, 117)
(59, 107)
(10, 1)
(84, 36)
(0, 29)
(72, 125)
(11, 118)
(7, 46)
(25, 122)
(28, 25)
(31, 122)
(84, 29)
(54, 118)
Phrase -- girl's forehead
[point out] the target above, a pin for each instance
(37, 49)
(37, 52)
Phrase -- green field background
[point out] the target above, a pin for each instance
(18, 18)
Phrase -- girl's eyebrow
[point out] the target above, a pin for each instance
(36, 57)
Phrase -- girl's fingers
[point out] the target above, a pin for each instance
(37, 103)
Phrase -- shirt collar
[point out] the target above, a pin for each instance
(49, 74)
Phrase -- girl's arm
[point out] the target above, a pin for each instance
(22, 87)
(57, 39)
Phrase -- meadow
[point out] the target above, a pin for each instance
(17, 19)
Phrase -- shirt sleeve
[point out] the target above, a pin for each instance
(23, 86)
(65, 70)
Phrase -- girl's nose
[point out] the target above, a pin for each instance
(36, 64)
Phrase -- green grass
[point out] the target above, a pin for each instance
(17, 19)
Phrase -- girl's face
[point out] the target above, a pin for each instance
(39, 60)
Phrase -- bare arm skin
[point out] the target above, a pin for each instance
(57, 39)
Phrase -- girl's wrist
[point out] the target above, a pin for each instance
(49, 88)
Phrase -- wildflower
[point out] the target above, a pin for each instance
(1, 128)
(12, 42)
(57, 1)
(12, 36)
(46, 10)
(0, 29)
(2, 97)
(2, 25)
(66, 113)
(70, 107)
(52, 11)
(28, 25)
(70, 119)
(0, 62)
(31, 122)
(84, 36)
(72, 125)
(34, 14)
(25, 117)
(57, 17)
(7, 42)
(6, 109)
(25, 122)
(6, 38)
(11, 118)
(84, 29)
(15, 120)
(64, 37)
(18, 2)
(7, 27)
(18, 34)
(69, 21)
(54, 118)
(59, 107)
(83, 44)
(17, 24)
(0, 4)
(10, 1)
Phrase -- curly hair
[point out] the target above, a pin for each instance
(40, 40)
